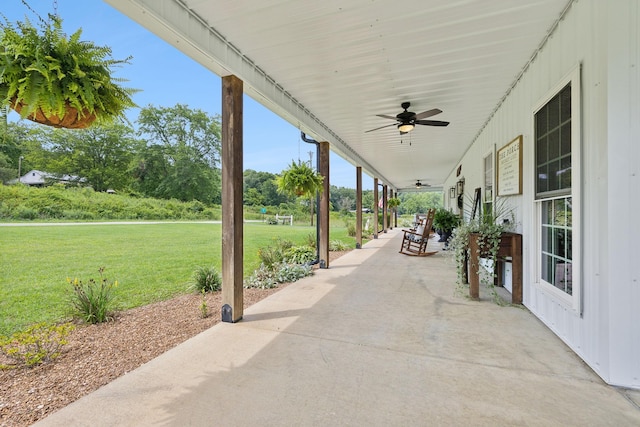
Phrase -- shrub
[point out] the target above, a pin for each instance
(92, 301)
(291, 272)
(338, 245)
(262, 278)
(271, 255)
(23, 212)
(38, 344)
(268, 278)
(300, 254)
(351, 228)
(311, 240)
(206, 279)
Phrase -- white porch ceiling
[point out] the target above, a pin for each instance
(329, 67)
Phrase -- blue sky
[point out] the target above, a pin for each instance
(167, 77)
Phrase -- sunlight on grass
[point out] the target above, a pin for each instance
(151, 262)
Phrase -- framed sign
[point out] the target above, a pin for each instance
(509, 173)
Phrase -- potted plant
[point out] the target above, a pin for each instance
(57, 80)
(487, 230)
(393, 202)
(444, 222)
(300, 180)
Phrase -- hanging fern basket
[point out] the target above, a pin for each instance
(56, 80)
(70, 120)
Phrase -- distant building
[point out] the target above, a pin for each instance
(37, 178)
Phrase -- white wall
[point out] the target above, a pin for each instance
(603, 37)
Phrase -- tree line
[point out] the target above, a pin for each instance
(173, 153)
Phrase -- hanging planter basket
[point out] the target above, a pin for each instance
(70, 120)
(59, 80)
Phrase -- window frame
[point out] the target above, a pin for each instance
(573, 301)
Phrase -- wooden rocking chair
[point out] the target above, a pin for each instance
(414, 242)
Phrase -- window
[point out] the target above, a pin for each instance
(556, 136)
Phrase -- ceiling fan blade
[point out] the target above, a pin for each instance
(384, 116)
(429, 113)
(381, 127)
(432, 123)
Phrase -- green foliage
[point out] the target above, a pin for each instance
(351, 228)
(445, 220)
(204, 310)
(92, 301)
(487, 228)
(49, 71)
(274, 253)
(21, 202)
(206, 279)
(300, 254)
(300, 180)
(412, 203)
(338, 245)
(40, 343)
(181, 159)
(261, 189)
(268, 278)
(393, 202)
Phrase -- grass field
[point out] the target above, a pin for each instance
(151, 262)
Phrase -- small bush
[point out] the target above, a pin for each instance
(92, 301)
(291, 272)
(268, 278)
(272, 255)
(300, 254)
(351, 228)
(311, 240)
(338, 245)
(38, 344)
(206, 279)
(262, 278)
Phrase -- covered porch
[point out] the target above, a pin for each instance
(378, 339)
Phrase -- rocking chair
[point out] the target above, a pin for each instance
(414, 242)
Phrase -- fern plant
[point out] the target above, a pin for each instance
(58, 80)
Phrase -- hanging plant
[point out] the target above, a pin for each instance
(393, 202)
(57, 80)
(300, 180)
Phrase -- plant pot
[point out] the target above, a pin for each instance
(71, 119)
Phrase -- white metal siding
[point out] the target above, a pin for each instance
(607, 334)
(623, 202)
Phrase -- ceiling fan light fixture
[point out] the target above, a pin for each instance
(406, 127)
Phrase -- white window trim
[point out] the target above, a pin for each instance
(491, 152)
(574, 301)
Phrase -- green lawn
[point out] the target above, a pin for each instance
(151, 262)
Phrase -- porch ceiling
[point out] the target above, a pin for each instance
(329, 67)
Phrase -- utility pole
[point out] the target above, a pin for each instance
(20, 167)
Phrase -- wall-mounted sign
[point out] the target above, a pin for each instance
(509, 173)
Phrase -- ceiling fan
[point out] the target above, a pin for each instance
(419, 184)
(407, 120)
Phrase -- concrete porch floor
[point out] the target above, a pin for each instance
(377, 339)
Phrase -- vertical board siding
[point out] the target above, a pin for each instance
(580, 38)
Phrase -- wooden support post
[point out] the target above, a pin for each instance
(392, 211)
(385, 220)
(232, 217)
(375, 208)
(358, 207)
(323, 209)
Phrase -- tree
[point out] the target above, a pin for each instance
(261, 189)
(302, 181)
(101, 155)
(182, 156)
